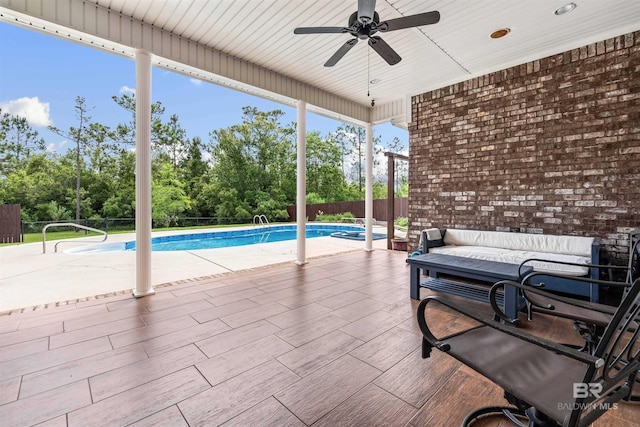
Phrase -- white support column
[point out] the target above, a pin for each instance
(143, 175)
(368, 197)
(301, 197)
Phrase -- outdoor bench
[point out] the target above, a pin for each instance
(515, 248)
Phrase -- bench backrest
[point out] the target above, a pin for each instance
(570, 245)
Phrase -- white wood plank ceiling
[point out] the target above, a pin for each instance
(249, 44)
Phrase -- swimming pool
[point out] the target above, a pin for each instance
(221, 239)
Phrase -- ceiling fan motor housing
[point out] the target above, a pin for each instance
(365, 9)
(360, 30)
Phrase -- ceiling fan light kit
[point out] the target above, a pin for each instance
(565, 9)
(364, 24)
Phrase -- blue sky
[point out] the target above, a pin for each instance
(41, 76)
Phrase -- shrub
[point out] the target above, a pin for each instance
(402, 221)
(322, 217)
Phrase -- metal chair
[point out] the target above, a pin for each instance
(589, 318)
(548, 383)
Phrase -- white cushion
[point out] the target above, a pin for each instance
(517, 257)
(568, 245)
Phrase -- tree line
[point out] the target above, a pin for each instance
(243, 170)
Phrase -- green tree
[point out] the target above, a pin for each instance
(353, 141)
(172, 141)
(80, 136)
(403, 190)
(54, 211)
(401, 168)
(169, 199)
(194, 172)
(168, 140)
(324, 176)
(101, 147)
(207, 199)
(379, 190)
(122, 201)
(39, 182)
(252, 159)
(18, 140)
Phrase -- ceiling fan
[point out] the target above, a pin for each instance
(364, 23)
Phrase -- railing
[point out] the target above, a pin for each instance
(69, 224)
(260, 220)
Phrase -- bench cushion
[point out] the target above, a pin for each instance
(516, 257)
(539, 243)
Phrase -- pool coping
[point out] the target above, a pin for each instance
(225, 233)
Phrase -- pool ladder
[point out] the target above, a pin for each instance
(261, 220)
(69, 224)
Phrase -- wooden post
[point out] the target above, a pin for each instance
(391, 162)
(391, 208)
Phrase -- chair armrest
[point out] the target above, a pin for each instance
(528, 278)
(527, 288)
(577, 264)
(441, 343)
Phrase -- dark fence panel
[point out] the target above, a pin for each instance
(401, 207)
(356, 207)
(10, 224)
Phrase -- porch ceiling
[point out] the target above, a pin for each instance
(250, 45)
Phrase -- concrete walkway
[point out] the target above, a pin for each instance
(29, 278)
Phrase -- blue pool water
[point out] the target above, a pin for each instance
(224, 239)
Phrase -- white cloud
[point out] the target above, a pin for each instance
(127, 89)
(36, 112)
(196, 82)
(57, 147)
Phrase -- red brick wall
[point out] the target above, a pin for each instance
(551, 146)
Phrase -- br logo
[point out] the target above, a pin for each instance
(584, 390)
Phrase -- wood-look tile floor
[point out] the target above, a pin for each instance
(330, 343)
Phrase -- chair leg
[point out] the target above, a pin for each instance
(510, 412)
(590, 334)
(538, 419)
(531, 415)
(426, 348)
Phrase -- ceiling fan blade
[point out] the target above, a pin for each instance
(384, 50)
(320, 30)
(410, 21)
(366, 10)
(340, 53)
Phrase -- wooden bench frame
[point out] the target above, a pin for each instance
(485, 271)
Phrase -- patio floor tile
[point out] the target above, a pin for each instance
(332, 342)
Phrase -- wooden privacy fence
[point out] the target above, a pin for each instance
(10, 224)
(356, 207)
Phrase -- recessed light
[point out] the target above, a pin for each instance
(374, 81)
(565, 9)
(500, 33)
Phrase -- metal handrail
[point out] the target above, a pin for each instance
(261, 220)
(69, 224)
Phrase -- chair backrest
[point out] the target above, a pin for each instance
(619, 348)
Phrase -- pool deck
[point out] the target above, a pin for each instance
(332, 343)
(31, 279)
